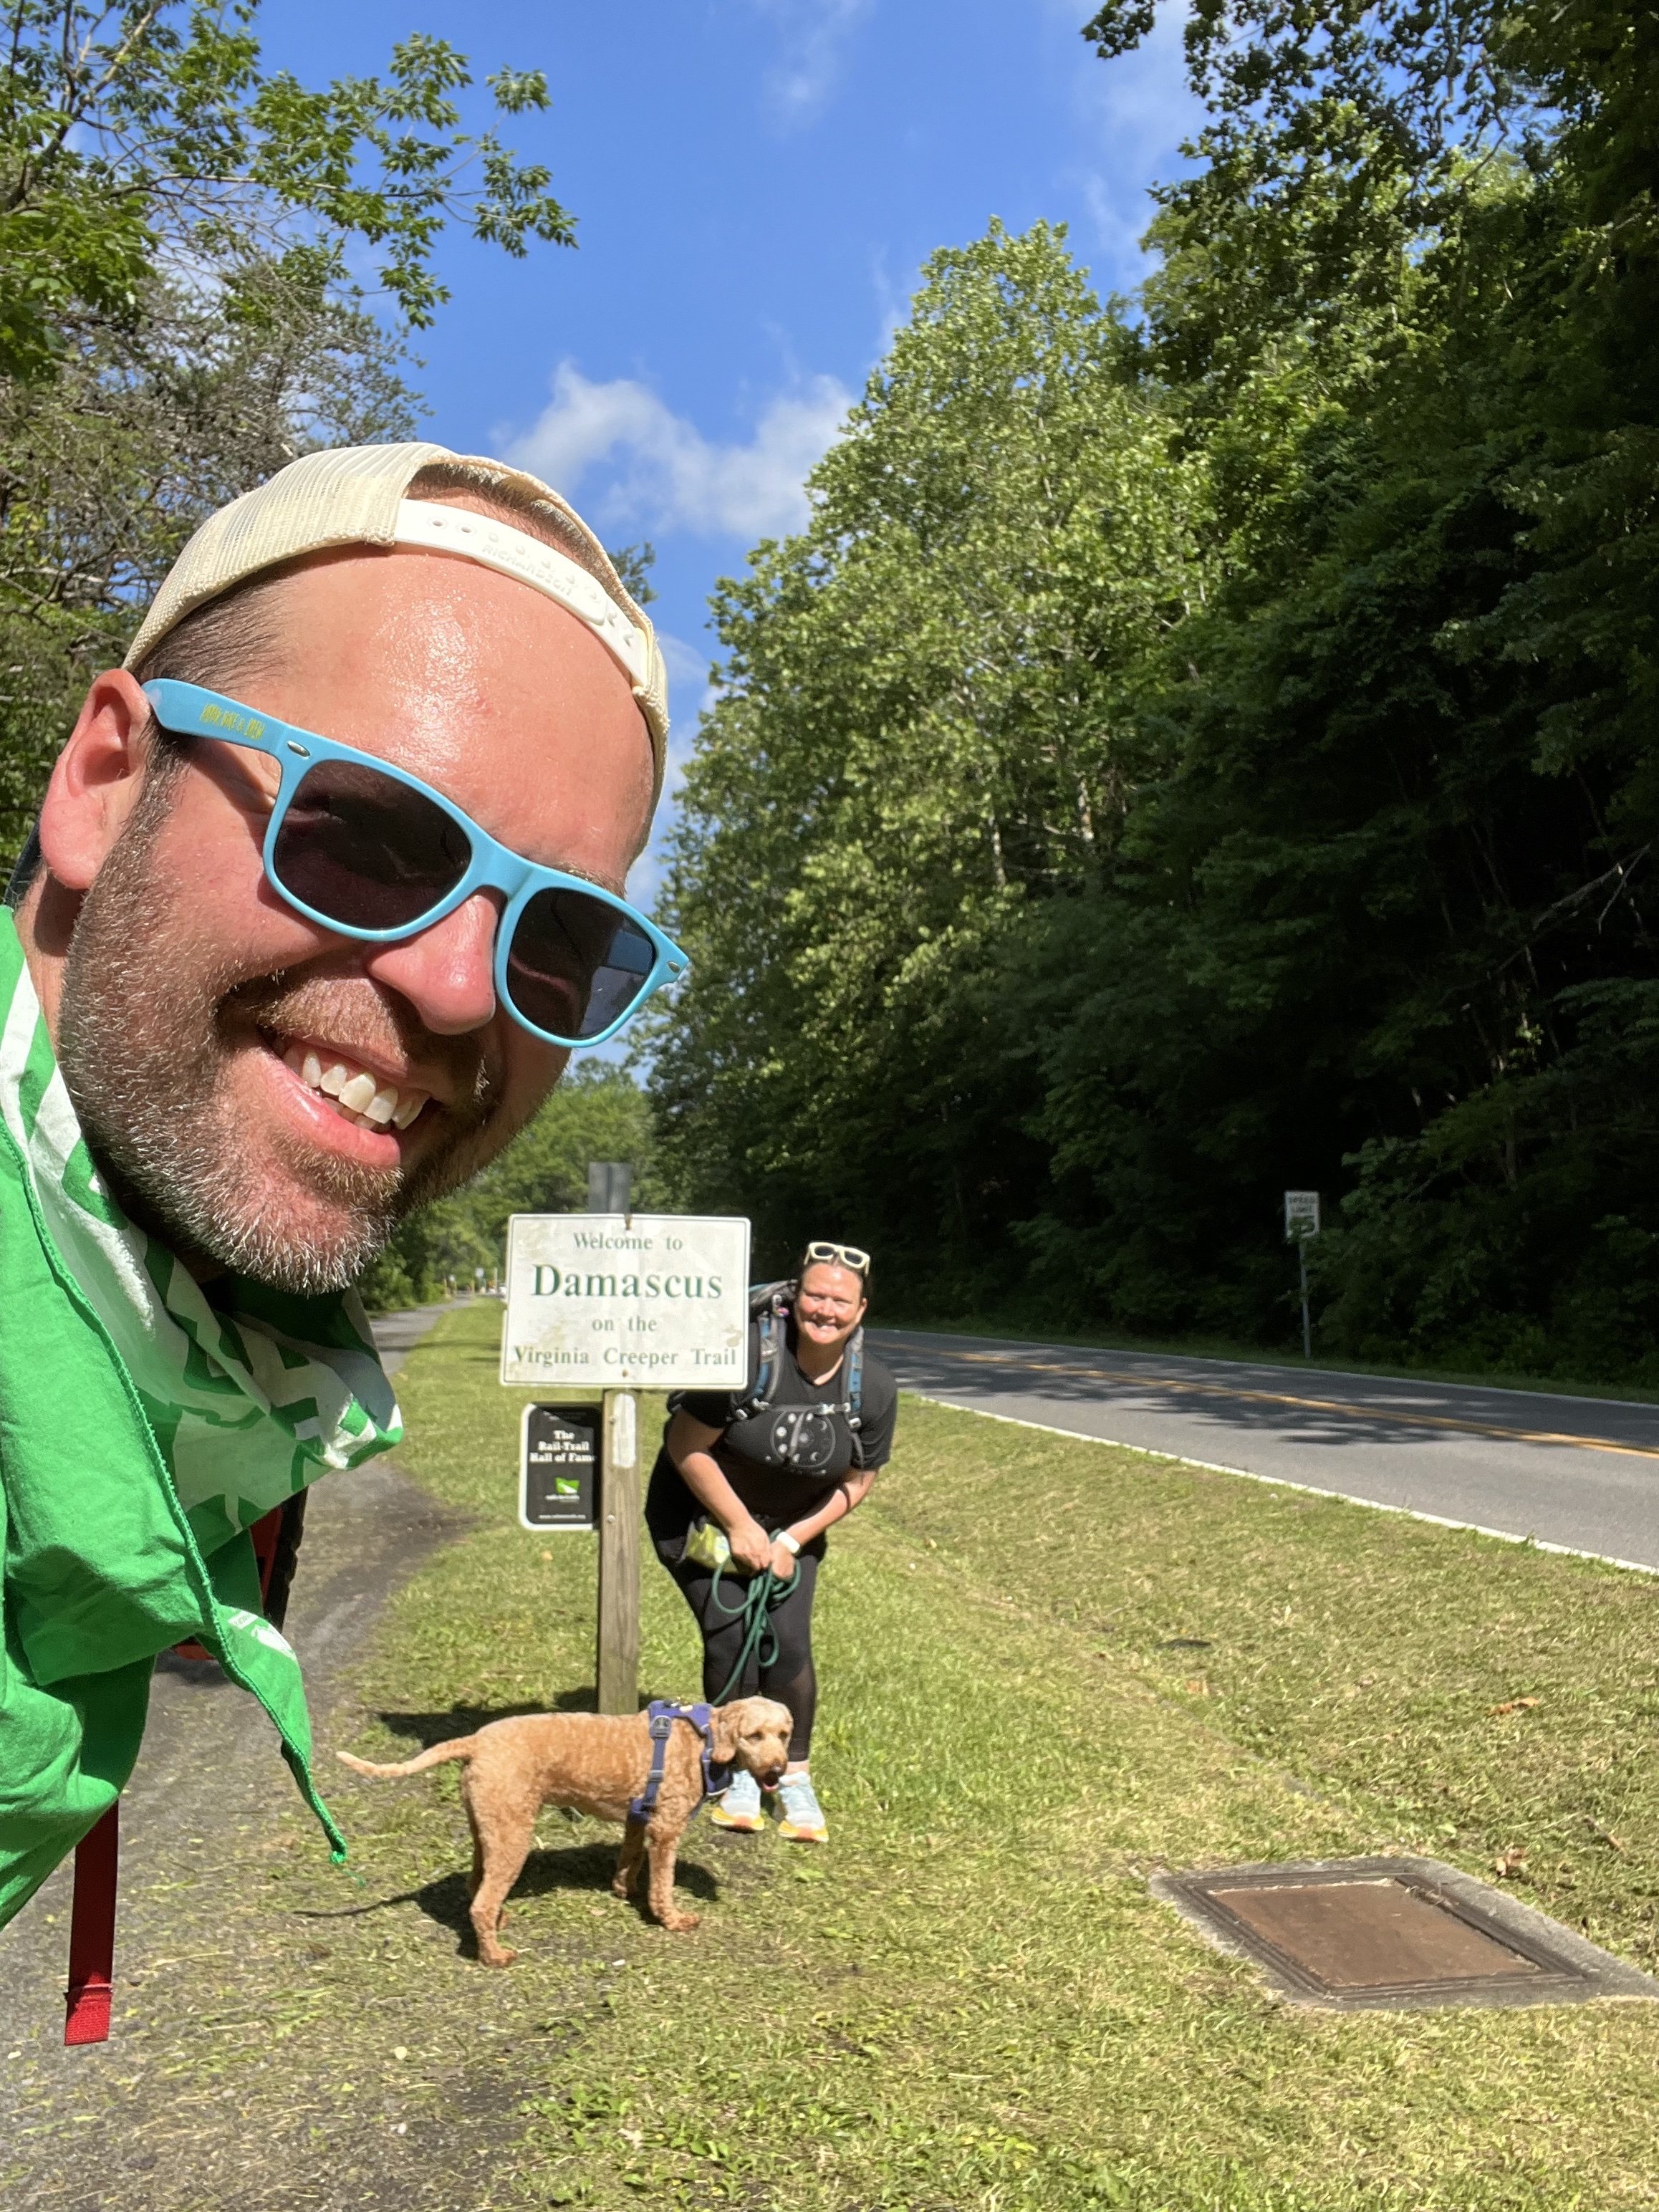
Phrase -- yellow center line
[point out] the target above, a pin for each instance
(1310, 1405)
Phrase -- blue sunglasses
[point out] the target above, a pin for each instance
(375, 854)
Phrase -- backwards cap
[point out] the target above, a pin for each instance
(355, 495)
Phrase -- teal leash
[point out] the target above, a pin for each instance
(764, 1592)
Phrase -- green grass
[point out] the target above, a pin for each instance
(1022, 1327)
(970, 2002)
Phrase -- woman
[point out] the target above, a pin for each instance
(770, 1478)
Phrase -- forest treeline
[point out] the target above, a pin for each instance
(1202, 744)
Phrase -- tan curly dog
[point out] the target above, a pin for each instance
(596, 1765)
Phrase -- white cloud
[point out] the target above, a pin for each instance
(813, 37)
(663, 474)
(894, 302)
(1144, 96)
(684, 664)
(1139, 109)
(693, 688)
(691, 691)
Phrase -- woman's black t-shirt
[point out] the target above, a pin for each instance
(752, 1454)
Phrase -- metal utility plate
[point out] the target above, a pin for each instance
(1395, 1934)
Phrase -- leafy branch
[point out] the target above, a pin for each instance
(138, 138)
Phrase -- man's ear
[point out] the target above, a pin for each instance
(96, 781)
(723, 1733)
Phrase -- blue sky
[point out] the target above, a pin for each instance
(756, 183)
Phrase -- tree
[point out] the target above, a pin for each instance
(923, 726)
(1437, 234)
(107, 467)
(135, 136)
(175, 317)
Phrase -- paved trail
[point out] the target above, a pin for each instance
(1578, 1472)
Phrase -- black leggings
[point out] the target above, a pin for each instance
(791, 1679)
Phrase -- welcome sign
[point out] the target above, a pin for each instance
(626, 1301)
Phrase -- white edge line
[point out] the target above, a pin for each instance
(1283, 1482)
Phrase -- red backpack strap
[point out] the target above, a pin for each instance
(92, 1932)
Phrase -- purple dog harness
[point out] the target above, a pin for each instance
(663, 1714)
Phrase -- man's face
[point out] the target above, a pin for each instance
(203, 1025)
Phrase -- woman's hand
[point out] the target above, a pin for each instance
(751, 1546)
(782, 1561)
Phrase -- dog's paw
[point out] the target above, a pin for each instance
(497, 1955)
(681, 1923)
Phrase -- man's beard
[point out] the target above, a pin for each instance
(150, 1018)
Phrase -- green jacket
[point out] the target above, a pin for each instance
(121, 1387)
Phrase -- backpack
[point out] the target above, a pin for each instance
(769, 1305)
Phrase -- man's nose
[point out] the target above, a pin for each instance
(447, 973)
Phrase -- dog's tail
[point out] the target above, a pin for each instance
(460, 1747)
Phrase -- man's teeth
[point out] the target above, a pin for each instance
(357, 1094)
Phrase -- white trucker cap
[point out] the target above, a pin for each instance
(355, 495)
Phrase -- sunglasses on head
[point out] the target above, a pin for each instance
(370, 851)
(838, 1255)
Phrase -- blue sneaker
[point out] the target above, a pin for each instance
(739, 1806)
(803, 1820)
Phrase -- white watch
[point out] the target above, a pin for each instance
(791, 1544)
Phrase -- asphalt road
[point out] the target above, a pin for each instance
(1582, 1473)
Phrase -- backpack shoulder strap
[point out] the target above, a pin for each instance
(766, 1372)
(855, 1393)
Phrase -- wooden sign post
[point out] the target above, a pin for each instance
(608, 1304)
(617, 1667)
